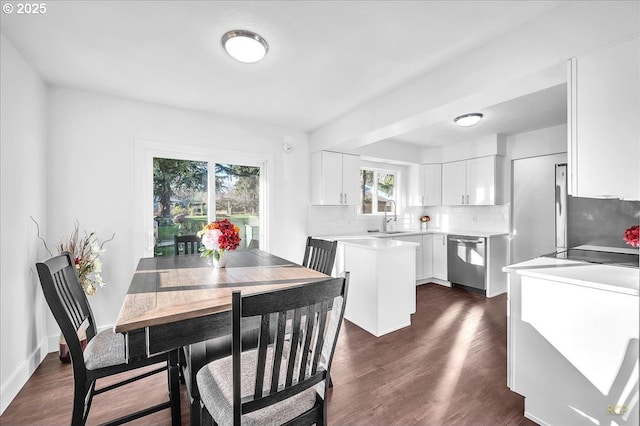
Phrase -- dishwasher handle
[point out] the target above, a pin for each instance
(465, 240)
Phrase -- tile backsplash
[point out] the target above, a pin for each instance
(334, 220)
(599, 222)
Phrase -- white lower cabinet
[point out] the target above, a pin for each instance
(427, 256)
(431, 256)
(439, 248)
(572, 352)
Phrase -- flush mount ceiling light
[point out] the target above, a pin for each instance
(468, 119)
(245, 46)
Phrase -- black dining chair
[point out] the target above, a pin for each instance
(104, 354)
(320, 255)
(281, 382)
(191, 244)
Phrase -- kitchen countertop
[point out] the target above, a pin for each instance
(407, 233)
(618, 279)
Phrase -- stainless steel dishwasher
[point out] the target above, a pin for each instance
(466, 262)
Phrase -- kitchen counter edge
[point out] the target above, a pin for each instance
(617, 279)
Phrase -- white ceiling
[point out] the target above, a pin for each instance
(537, 110)
(325, 57)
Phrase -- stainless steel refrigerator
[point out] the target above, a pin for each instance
(539, 206)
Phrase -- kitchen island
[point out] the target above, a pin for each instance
(572, 341)
(382, 292)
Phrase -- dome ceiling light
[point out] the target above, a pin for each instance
(468, 119)
(245, 46)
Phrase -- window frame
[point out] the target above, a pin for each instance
(146, 150)
(374, 201)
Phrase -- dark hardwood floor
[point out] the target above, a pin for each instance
(448, 368)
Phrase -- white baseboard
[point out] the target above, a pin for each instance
(19, 378)
(434, 281)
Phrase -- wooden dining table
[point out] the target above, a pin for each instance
(176, 301)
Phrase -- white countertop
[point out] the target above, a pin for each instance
(378, 243)
(618, 279)
(407, 233)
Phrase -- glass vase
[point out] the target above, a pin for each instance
(221, 261)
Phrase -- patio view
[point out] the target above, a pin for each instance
(181, 200)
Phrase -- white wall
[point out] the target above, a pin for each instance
(23, 188)
(92, 167)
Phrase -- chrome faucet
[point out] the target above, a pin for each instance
(394, 218)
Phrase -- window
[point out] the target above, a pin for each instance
(180, 200)
(376, 188)
(180, 187)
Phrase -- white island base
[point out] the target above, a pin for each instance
(382, 283)
(572, 342)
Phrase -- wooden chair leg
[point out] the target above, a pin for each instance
(174, 387)
(79, 412)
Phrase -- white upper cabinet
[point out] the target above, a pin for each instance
(454, 183)
(425, 185)
(481, 181)
(604, 130)
(335, 178)
(472, 182)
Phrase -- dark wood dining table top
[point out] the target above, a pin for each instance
(171, 289)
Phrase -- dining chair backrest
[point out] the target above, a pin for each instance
(304, 345)
(68, 302)
(320, 255)
(191, 243)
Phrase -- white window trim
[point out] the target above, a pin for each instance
(396, 188)
(146, 150)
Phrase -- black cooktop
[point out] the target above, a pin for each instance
(595, 256)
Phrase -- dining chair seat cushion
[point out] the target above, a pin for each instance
(215, 382)
(104, 350)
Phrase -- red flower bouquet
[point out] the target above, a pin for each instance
(632, 236)
(218, 237)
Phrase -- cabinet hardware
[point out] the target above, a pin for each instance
(345, 198)
(462, 198)
(341, 198)
(467, 198)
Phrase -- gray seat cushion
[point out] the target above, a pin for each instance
(215, 382)
(104, 350)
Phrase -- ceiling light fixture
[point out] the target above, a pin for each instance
(245, 46)
(468, 119)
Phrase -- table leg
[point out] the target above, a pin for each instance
(174, 388)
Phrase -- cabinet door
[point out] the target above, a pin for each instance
(440, 256)
(605, 128)
(427, 256)
(481, 178)
(454, 178)
(331, 178)
(350, 179)
(416, 185)
(432, 184)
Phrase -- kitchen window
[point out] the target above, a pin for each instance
(376, 188)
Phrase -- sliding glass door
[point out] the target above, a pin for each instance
(180, 200)
(183, 201)
(238, 199)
